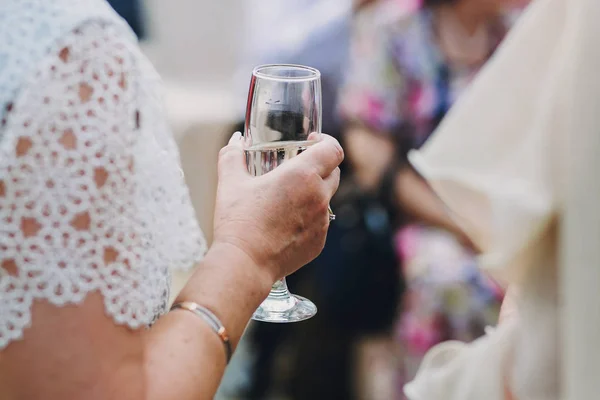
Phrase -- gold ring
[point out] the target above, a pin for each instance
(331, 214)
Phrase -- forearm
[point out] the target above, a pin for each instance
(185, 358)
(417, 199)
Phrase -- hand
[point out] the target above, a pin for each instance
(369, 153)
(280, 219)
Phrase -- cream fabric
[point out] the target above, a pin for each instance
(500, 162)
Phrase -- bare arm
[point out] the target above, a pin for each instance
(79, 352)
(265, 228)
(371, 153)
(185, 359)
(419, 201)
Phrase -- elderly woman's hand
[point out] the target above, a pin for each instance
(279, 219)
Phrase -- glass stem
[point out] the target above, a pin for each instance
(279, 291)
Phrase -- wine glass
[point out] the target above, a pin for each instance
(284, 108)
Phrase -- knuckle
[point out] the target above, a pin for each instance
(338, 151)
(323, 205)
(306, 175)
(315, 239)
(336, 175)
(227, 152)
(311, 203)
(223, 152)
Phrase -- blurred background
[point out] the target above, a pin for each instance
(393, 280)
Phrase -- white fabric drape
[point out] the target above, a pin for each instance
(515, 161)
(580, 241)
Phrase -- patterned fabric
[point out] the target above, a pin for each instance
(91, 194)
(447, 298)
(400, 84)
(398, 77)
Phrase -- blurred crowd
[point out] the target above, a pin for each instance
(394, 278)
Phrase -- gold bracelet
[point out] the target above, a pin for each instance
(211, 319)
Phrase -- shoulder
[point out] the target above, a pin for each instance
(31, 30)
(391, 18)
(400, 32)
(412, 30)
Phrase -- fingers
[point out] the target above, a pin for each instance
(313, 137)
(232, 161)
(324, 156)
(332, 182)
(236, 139)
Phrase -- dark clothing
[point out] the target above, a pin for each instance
(131, 11)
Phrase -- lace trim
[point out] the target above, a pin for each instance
(91, 193)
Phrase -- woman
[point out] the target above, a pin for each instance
(94, 213)
(408, 66)
(523, 191)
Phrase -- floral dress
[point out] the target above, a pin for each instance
(399, 84)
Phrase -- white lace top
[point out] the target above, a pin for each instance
(92, 197)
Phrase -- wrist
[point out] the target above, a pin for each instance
(230, 284)
(237, 260)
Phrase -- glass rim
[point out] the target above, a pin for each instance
(315, 73)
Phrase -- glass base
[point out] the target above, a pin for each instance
(292, 308)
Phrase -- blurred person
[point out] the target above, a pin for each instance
(95, 212)
(290, 360)
(515, 164)
(408, 66)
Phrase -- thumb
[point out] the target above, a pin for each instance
(232, 160)
(236, 138)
